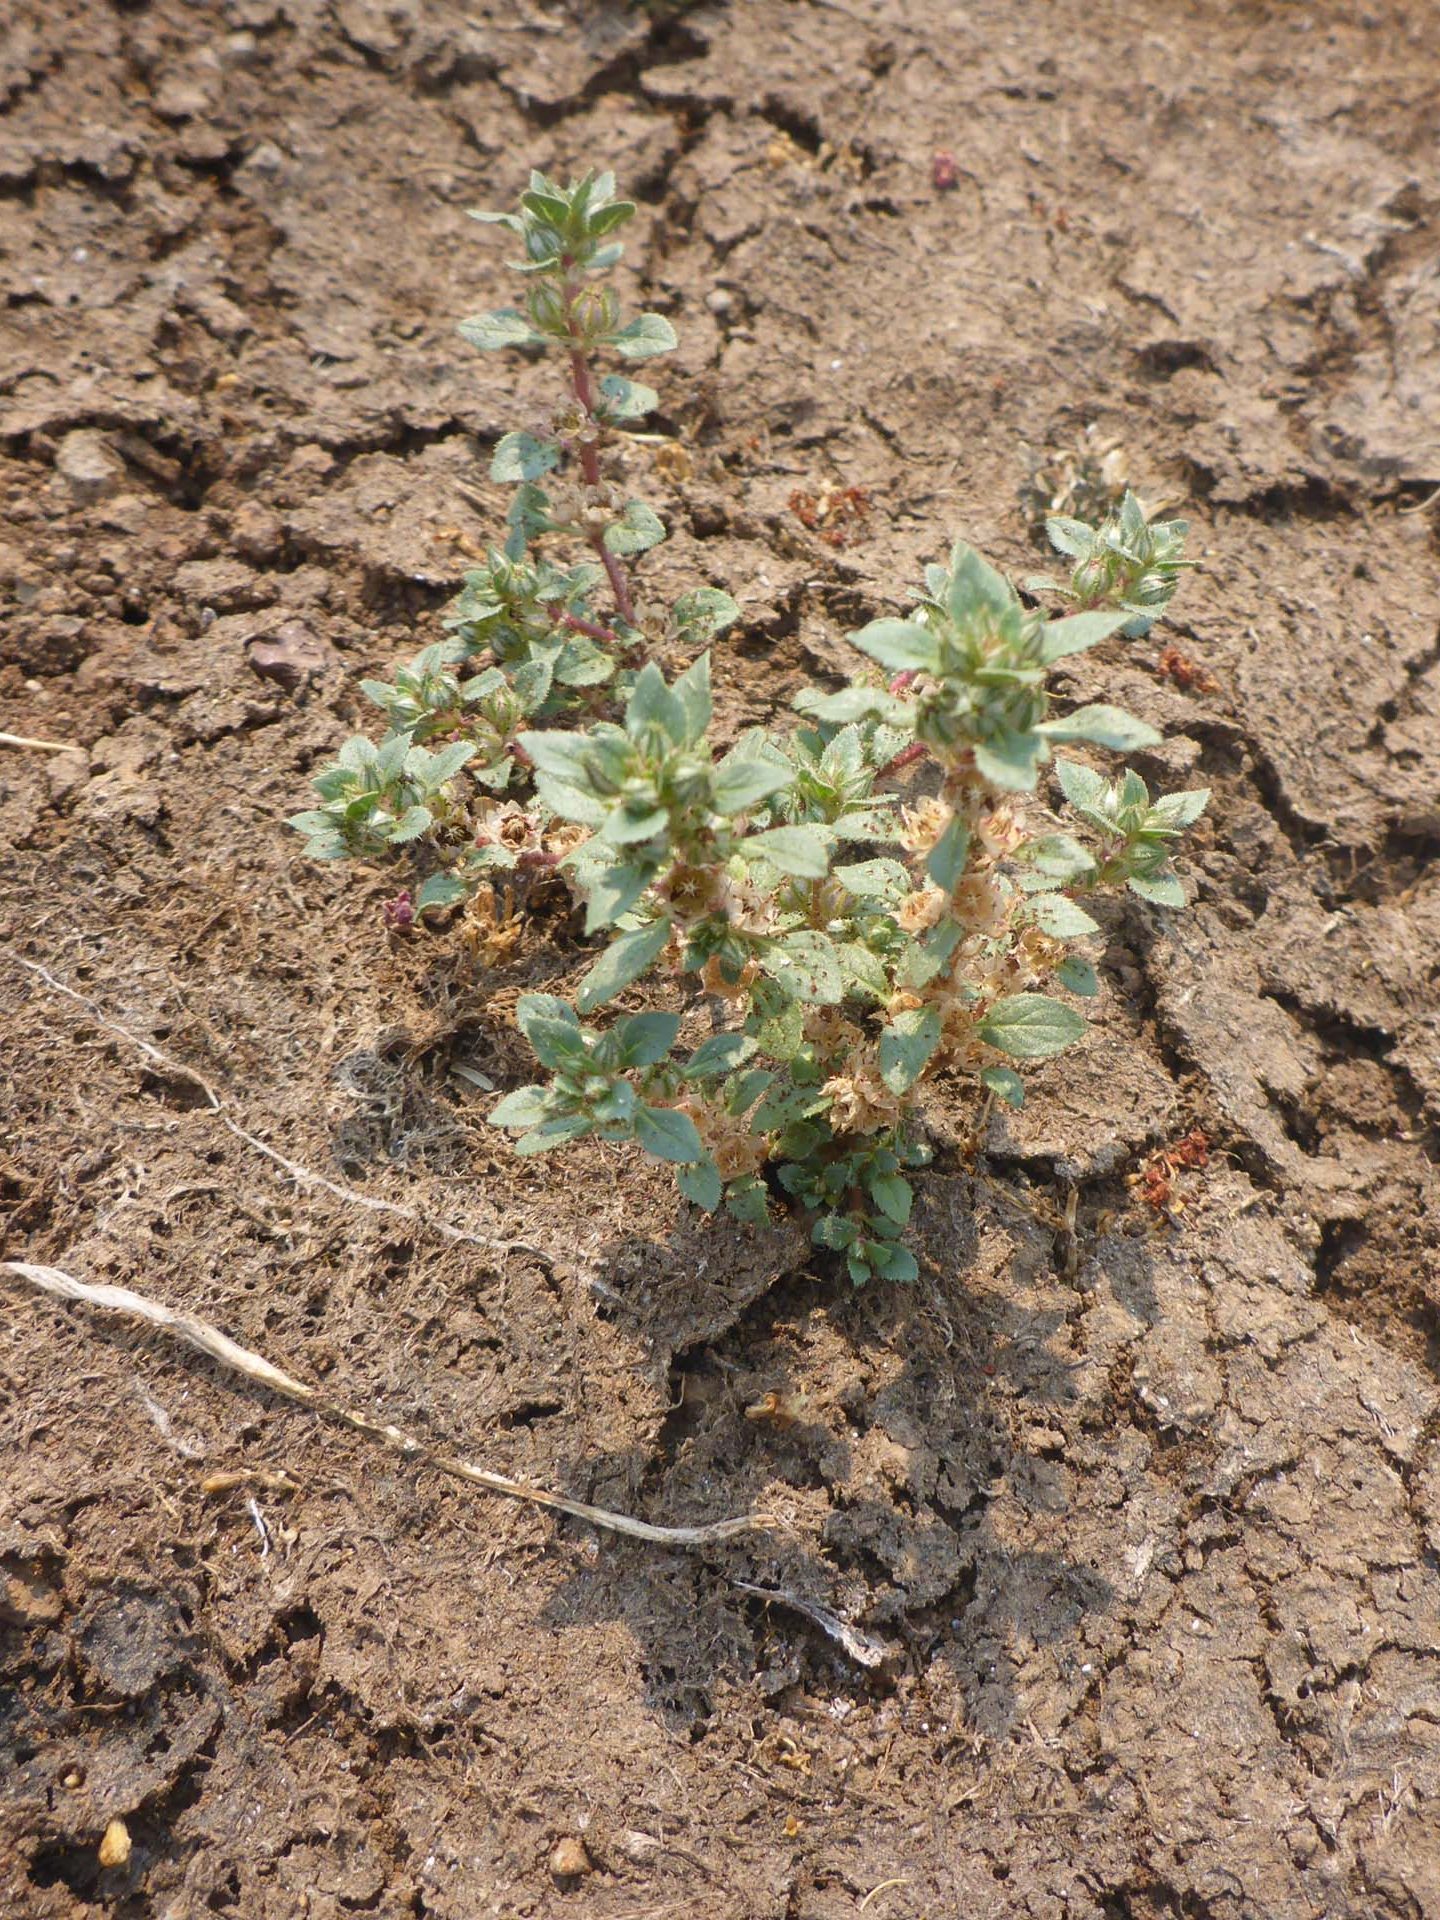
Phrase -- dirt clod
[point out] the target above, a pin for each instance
(89, 467)
(290, 655)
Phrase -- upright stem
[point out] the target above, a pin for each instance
(590, 466)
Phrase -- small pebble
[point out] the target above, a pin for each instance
(115, 1845)
(569, 1860)
(89, 466)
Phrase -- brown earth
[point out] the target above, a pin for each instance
(1146, 1510)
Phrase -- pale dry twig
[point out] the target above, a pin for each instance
(254, 1366)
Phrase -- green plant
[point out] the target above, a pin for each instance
(1126, 561)
(872, 901)
(375, 798)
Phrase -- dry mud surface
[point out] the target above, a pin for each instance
(1145, 1512)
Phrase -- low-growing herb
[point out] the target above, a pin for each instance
(833, 916)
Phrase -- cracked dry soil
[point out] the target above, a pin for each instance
(1147, 1508)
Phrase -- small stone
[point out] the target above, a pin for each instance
(115, 1845)
(290, 655)
(255, 532)
(310, 462)
(124, 514)
(265, 159)
(240, 50)
(66, 775)
(89, 466)
(569, 1860)
(181, 99)
(224, 584)
(203, 144)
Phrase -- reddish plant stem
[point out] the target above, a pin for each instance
(590, 467)
(592, 628)
(906, 757)
(902, 681)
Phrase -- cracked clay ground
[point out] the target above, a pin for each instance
(1143, 1508)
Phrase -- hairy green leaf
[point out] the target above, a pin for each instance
(622, 399)
(880, 879)
(807, 966)
(653, 704)
(902, 646)
(700, 1184)
(1011, 760)
(1077, 633)
(905, 1046)
(692, 690)
(1060, 917)
(894, 1196)
(667, 1134)
(636, 531)
(558, 1132)
(646, 1038)
(647, 334)
(1160, 889)
(1005, 1084)
(946, 860)
(895, 1263)
(720, 1054)
(1030, 1026)
(1176, 811)
(491, 331)
(802, 852)
(520, 456)
(1086, 790)
(526, 1107)
(623, 960)
(441, 890)
(1106, 726)
(738, 785)
(1077, 976)
(702, 613)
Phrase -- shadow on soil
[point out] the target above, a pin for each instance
(931, 1421)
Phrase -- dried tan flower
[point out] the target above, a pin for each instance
(922, 824)
(921, 909)
(860, 1100)
(713, 980)
(729, 1142)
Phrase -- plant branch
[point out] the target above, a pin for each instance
(592, 628)
(40, 746)
(906, 757)
(590, 467)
